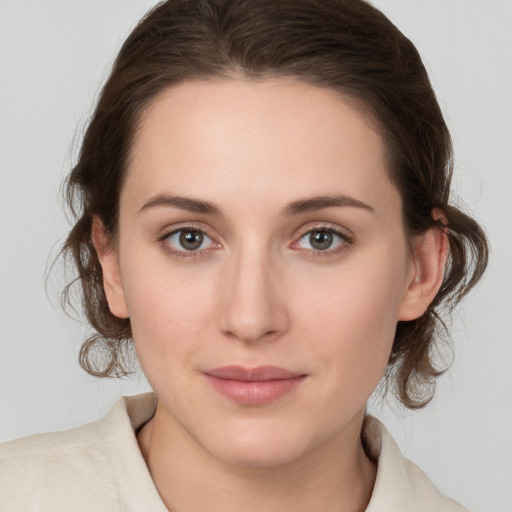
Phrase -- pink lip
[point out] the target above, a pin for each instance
(253, 386)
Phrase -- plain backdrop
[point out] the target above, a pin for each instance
(54, 55)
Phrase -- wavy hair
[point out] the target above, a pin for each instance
(347, 46)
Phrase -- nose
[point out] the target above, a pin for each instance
(253, 299)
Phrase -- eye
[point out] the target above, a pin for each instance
(188, 240)
(322, 239)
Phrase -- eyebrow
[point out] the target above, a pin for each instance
(183, 203)
(295, 208)
(319, 202)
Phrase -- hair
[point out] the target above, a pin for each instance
(347, 46)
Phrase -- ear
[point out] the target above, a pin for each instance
(111, 272)
(429, 260)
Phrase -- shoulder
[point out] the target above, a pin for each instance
(93, 467)
(400, 484)
(55, 470)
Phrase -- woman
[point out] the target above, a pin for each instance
(262, 213)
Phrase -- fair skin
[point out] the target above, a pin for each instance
(257, 271)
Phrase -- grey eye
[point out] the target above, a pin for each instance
(189, 240)
(321, 240)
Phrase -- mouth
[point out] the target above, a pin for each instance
(254, 386)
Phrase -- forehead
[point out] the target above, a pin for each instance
(268, 139)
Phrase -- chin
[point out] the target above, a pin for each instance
(260, 445)
(256, 455)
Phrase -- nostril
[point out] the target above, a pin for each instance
(253, 325)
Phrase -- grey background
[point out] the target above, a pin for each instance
(54, 54)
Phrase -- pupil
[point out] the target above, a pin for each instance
(320, 239)
(191, 240)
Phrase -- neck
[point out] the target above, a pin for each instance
(334, 476)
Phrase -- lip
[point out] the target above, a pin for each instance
(253, 386)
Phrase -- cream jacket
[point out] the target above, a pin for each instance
(99, 468)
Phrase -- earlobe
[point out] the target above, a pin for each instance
(430, 254)
(107, 256)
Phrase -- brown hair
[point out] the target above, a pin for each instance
(345, 45)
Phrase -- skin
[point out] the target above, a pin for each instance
(257, 292)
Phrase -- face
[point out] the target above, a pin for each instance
(263, 265)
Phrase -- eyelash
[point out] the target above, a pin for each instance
(346, 242)
(184, 253)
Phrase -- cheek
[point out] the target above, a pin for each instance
(169, 312)
(351, 321)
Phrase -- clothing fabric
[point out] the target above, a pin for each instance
(99, 467)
